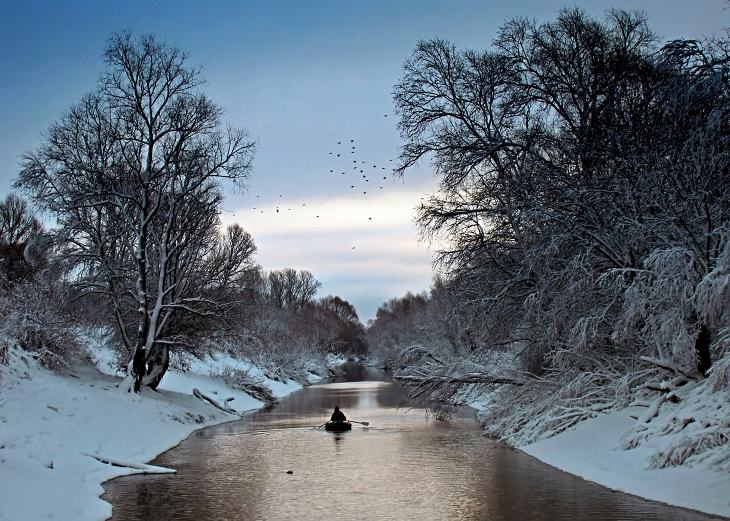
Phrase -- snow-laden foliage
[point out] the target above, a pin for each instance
(32, 317)
(658, 310)
(712, 295)
(243, 379)
(583, 210)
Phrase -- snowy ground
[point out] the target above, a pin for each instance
(592, 451)
(52, 425)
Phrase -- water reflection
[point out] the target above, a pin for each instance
(405, 466)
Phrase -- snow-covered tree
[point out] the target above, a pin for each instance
(133, 175)
(583, 204)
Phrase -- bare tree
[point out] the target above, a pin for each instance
(133, 175)
(18, 225)
(20, 232)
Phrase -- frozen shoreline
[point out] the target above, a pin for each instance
(591, 451)
(52, 426)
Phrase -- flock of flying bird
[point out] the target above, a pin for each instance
(368, 176)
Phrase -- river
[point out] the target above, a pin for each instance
(405, 466)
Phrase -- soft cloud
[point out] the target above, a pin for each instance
(363, 248)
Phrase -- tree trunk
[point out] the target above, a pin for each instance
(138, 367)
(702, 350)
(158, 361)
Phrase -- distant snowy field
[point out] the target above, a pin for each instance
(53, 427)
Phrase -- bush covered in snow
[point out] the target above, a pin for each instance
(31, 316)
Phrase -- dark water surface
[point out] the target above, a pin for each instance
(404, 466)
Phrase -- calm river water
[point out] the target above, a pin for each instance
(404, 466)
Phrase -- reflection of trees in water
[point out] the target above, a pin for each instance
(393, 396)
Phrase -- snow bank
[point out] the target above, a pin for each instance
(592, 451)
(55, 429)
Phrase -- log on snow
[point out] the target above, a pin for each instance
(668, 366)
(213, 401)
(143, 467)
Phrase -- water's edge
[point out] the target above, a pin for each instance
(210, 425)
(471, 410)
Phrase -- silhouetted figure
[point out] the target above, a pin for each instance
(338, 415)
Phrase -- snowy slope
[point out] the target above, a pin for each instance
(592, 451)
(50, 423)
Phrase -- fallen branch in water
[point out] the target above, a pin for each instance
(468, 378)
(447, 387)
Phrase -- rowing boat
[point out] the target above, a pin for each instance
(337, 426)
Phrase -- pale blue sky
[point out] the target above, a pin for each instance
(300, 76)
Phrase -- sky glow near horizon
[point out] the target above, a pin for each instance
(368, 245)
(300, 76)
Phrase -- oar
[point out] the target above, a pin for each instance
(364, 424)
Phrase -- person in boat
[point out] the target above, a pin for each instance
(338, 415)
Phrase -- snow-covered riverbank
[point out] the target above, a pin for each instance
(592, 451)
(53, 426)
(619, 449)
